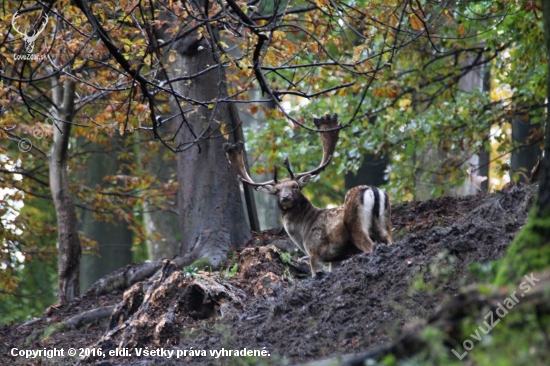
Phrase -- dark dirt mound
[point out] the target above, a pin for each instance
(271, 302)
(366, 302)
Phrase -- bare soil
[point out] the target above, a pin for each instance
(274, 303)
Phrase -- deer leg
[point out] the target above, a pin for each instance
(360, 215)
(385, 237)
(361, 240)
(316, 264)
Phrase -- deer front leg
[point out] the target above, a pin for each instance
(316, 264)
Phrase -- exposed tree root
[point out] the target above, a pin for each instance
(74, 321)
(124, 278)
(150, 311)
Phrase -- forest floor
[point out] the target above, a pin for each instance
(271, 303)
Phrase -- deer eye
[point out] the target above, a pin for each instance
(295, 187)
(276, 191)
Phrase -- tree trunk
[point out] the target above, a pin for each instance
(248, 195)
(525, 156)
(371, 172)
(69, 242)
(530, 250)
(211, 213)
(114, 238)
(543, 200)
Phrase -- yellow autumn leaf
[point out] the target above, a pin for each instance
(461, 30)
(357, 52)
(416, 23)
(404, 103)
(313, 48)
(121, 128)
(338, 42)
(244, 63)
(223, 129)
(172, 57)
(278, 35)
(270, 58)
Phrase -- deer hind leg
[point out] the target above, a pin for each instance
(361, 239)
(361, 206)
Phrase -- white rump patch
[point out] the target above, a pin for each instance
(368, 205)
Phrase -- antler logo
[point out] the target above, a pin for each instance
(30, 38)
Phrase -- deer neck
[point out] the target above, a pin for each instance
(300, 211)
(296, 219)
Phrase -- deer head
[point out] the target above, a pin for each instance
(31, 36)
(288, 190)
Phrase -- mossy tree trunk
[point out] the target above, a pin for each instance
(530, 250)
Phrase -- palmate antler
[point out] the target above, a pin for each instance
(329, 139)
(234, 153)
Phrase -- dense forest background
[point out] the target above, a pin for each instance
(113, 116)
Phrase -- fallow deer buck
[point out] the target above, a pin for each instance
(326, 235)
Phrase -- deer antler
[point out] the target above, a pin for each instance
(234, 153)
(328, 140)
(287, 166)
(329, 137)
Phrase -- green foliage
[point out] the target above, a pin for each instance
(484, 272)
(32, 286)
(529, 252)
(202, 263)
(285, 257)
(229, 271)
(190, 271)
(233, 271)
(519, 338)
(416, 111)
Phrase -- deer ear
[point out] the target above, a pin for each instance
(267, 189)
(303, 181)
